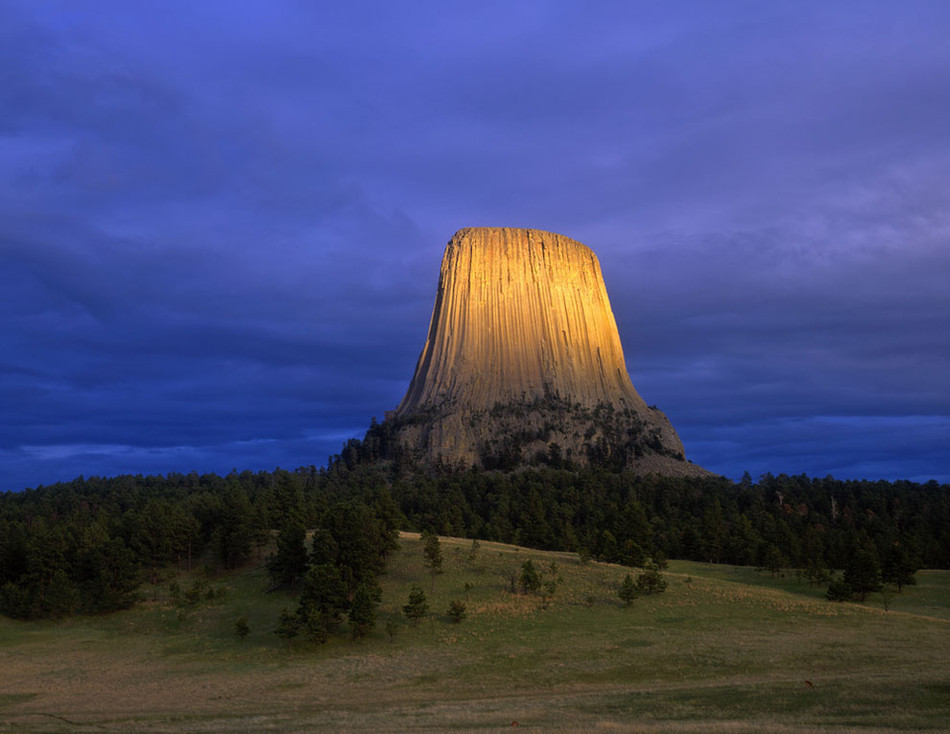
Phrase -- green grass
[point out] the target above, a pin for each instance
(724, 649)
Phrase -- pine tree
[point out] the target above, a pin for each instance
(288, 626)
(315, 627)
(362, 612)
(322, 594)
(432, 552)
(234, 536)
(838, 590)
(863, 574)
(457, 611)
(529, 580)
(628, 590)
(417, 607)
(898, 566)
(289, 563)
(651, 581)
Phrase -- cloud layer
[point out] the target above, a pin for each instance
(221, 225)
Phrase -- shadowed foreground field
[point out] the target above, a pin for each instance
(724, 649)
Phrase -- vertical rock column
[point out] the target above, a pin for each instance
(519, 313)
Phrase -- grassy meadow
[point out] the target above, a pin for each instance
(723, 649)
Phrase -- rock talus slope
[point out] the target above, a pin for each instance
(523, 363)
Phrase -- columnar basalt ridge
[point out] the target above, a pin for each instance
(523, 363)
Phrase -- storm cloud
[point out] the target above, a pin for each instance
(221, 223)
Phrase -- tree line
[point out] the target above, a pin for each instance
(85, 546)
(873, 530)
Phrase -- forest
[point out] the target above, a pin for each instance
(85, 546)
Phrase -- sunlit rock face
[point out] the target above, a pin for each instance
(523, 364)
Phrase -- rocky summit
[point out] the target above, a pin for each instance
(523, 365)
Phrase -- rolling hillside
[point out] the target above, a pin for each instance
(724, 649)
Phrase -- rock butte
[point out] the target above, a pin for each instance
(522, 353)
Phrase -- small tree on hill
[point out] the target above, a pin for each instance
(322, 594)
(838, 590)
(633, 554)
(288, 627)
(628, 590)
(898, 566)
(314, 625)
(417, 607)
(609, 552)
(241, 628)
(887, 593)
(362, 612)
(863, 574)
(457, 611)
(529, 580)
(651, 581)
(432, 553)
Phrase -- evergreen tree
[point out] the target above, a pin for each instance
(289, 563)
(899, 566)
(536, 533)
(863, 574)
(288, 627)
(287, 501)
(322, 594)
(772, 560)
(324, 549)
(628, 590)
(633, 554)
(234, 535)
(743, 543)
(314, 626)
(389, 519)
(715, 531)
(361, 547)
(838, 590)
(108, 575)
(363, 611)
(418, 607)
(432, 552)
(608, 551)
(530, 579)
(457, 611)
(651, 581)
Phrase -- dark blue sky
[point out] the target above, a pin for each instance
(221, 223)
